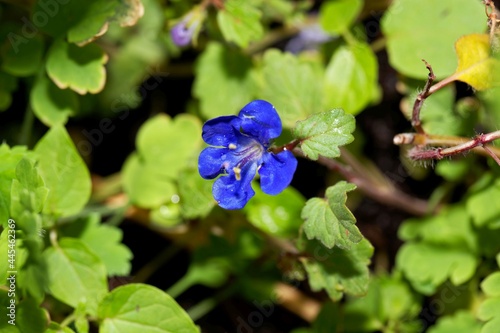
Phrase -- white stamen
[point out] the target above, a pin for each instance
(237, 173)
(232, 146)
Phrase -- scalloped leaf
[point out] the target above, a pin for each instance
(79, 68)
(324, 132)
(338, 271)
(329, 220)
(489, 310)
(476, 66)
(50, 104)
(427, 265)
(239, 22)
(291, 85)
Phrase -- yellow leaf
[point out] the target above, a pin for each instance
(476, 65)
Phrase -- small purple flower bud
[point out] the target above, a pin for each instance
(181, 33)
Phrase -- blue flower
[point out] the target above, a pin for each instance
(239, 148)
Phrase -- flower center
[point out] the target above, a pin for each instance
(249, 152)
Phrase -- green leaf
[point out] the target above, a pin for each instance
(439, 230)
(329, 220)
(195, 194)
(28, 195)
(56, 328)
(427, 266)
(76, 274)
(168, 215)
(79, 68)
(130, 74)
(481, 210)
(337, 16)
(389, 302)
(10, 157)
(8, 83)
(31, 318)
(82, 22)
(277, 215)
(23, 59)
(167, 143)
(64, 173)
(145, 185)
(460, 322)
(164, 148)
(410, 29)
(489, 310)
(324, 132)
(291, 85)
(104, 240)
(239, 22)
(137, 308)
(438, 115)
(223, 83)
(476, 66)
(338, 271)
(50, 104)
(95, 21)
(491, 285)
(351, 78)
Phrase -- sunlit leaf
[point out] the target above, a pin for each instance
(239, 22)
(324, 133)
(476, 65)
(329, 220)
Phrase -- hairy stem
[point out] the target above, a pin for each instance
(454, 145)
(419, 101)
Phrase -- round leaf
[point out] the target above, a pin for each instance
(428, 29)
(139, 308)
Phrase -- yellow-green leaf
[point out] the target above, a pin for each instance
(476, 66)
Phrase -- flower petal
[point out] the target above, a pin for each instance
(260, 120)
(231, 193)
(277, 171)
(211, 162)
(221, 131)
